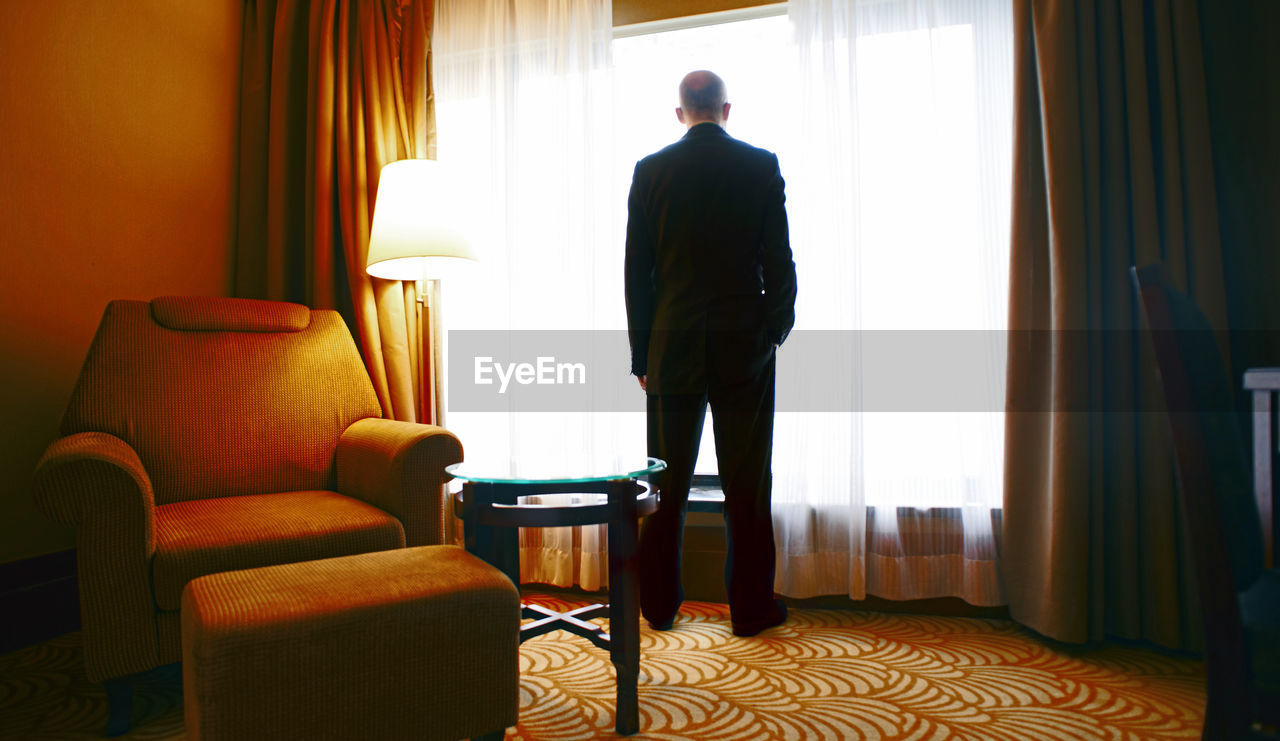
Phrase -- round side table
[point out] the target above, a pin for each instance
(498, 499)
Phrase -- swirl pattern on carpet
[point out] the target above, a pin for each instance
(836, 674)
(825, 674)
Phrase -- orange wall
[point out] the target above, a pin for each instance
(118, 147)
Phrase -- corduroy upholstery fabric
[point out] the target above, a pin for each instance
(205, 536)
(384, 461)
(204, 434)
(418, 643)
(214, 314)
(169, 630)
(222, 413)
(95, 483)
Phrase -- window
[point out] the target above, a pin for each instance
(745, 49)
(926, 134)
(892, 123)
(894, 138)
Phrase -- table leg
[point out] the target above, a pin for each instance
(1262, 475)
(498, 546)
(624, 607)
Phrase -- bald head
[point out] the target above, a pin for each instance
(702, 99)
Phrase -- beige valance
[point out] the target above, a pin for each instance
(626, 12)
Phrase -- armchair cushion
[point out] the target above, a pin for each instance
(207, 536)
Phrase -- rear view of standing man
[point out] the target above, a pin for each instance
(711, 288)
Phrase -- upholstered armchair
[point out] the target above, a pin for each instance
(212, 434)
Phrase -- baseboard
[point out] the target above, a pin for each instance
(39, 598)
(939, 606)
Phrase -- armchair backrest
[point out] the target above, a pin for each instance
(221, 396)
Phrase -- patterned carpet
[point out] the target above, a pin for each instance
(826, 674)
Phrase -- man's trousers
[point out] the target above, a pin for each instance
(742, 419)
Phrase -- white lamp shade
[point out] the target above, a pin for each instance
(416, 231)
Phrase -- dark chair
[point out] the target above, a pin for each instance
(1239, 597)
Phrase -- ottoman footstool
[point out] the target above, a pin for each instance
(413, 643)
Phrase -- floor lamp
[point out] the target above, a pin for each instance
(416, 236)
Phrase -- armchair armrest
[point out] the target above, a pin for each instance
(90, 475)
(399, 466)
(96, 483)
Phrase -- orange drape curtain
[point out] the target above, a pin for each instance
(1113, 167)
(332, 90)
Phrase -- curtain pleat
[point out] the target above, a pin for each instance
(898, 191)
(332, 90)
(1112, 168)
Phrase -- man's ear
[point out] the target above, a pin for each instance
(680, 115)
(725, 112)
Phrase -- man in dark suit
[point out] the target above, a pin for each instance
(710, 288)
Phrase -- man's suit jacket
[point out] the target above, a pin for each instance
(710, 282)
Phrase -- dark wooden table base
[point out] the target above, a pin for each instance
(491, 516)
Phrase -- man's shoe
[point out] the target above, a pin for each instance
(663, 623)
(748, 628)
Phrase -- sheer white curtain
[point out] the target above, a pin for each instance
(524, 109)
(891, 119)
(898, 187)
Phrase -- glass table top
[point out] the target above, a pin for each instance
(542, 471)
